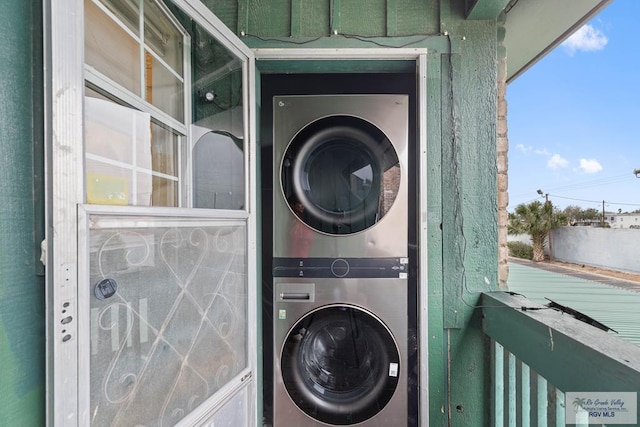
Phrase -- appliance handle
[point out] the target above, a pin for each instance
(295, 296)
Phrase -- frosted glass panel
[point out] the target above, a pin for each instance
(168, 320)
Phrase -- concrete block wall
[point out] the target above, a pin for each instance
(612, 248)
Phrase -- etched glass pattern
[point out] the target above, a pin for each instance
(175, 331)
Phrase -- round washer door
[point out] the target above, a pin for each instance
(340, 365)
(340, 175)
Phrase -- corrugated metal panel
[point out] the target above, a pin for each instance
(617, 308)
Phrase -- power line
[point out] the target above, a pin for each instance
(587, 184)
(593, 201)
(594, 183)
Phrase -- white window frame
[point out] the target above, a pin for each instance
(419, 56)
(95, 78)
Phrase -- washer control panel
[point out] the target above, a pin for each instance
(341, 267)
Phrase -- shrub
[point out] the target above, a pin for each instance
(520, 250)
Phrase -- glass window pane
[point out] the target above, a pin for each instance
(218, 129)
(163, 88)
(163, 37)
(165, 144)
(218, 162)
(127, 11)
(165, 192)
(130, 159)
(108, 184)
(168, 318)
(110, 50)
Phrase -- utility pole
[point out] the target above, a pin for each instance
(603, 214)
(636, 172)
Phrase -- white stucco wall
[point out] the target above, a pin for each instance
(616, 249)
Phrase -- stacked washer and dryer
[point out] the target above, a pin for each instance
(340, 260)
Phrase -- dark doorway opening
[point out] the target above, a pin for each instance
(326, 84)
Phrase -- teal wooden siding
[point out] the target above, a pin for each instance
(460, 176)
(461, 172)
(22, 293)
(320, 18)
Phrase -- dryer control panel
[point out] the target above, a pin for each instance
(341, 267)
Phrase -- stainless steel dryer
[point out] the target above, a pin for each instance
(340, 176)
(340, 352)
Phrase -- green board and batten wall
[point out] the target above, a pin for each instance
(460, 177)
(22, 292)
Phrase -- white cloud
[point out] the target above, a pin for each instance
(587, 39)
(542, 152)
(524, 149)
(557, 162)
(590, 166)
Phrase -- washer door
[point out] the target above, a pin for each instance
(340, 365)
(340, 175)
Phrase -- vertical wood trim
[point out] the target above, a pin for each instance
(498, 384)
(542, 401)
(526, 395)
(243, 17)
(560, 408)
(431, 178)
(454, 244)
(512, 391)
(334, 9)
(392, 18)
(296, 18)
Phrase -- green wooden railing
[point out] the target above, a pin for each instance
(540, 353)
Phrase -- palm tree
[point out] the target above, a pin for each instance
(579, 403)
(535, 219)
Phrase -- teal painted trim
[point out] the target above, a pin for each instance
(434, 43)
(22, 291)
(525, 399)
(542, 401)
(37, 123)
(570, 354)
(486, 9)
(498, 385)
(452, 221)
(512, 391)
(392, 18)
(560, 408)
(335, 17)
(243, 17)
(296, 18)
(435, 285)
(335, 66)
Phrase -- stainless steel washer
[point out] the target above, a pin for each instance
(340, 352)
(340, 176)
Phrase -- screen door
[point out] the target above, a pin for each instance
(151, 211)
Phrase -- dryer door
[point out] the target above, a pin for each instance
(340, 175)
(340, 365)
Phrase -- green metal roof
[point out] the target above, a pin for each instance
(617, 308)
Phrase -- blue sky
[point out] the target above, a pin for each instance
(574, 118)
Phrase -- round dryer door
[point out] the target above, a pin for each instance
(340, 175)
(340, 365)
